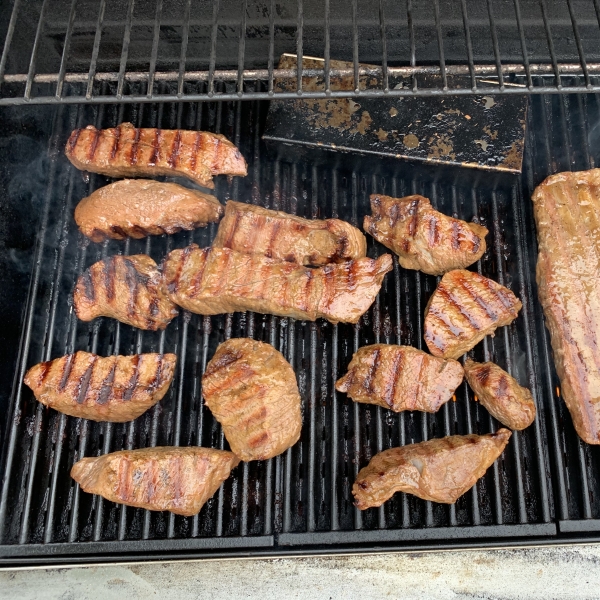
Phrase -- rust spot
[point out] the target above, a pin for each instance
(410, 141)
(393, 111)
(382, 135)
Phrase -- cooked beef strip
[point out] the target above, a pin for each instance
(439, 470)
(114, 388)
(501, 394)
(465, 308)
(255, 230)
(251, 390)
(176, 479)
(127, 288)
(128, 151)
(400, 378)
(423, 238)
(212, 281)
(567, 214)
(141, 207)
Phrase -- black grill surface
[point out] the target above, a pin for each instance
(544, 488)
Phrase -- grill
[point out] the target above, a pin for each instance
(65, 65)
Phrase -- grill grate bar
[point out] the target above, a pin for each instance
(125, 49)
(242, 49)
(494, 33)
(154, 52)
(96, 49)
(413, 48)
(355, 64)
(578, 43)
(184, 45)
(384, 51)
(327, 51)
(9, 36)
(440, 38)
(34, 51)
(65, 53)
(469, 43)
(299, 47)
(523, 44)
(553, 59)
(213, 49)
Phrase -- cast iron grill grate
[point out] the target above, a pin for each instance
(299, 501)
(60, 51)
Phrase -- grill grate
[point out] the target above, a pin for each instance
(301, 500)
(65, 51)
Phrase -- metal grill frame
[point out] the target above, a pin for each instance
(549, 73)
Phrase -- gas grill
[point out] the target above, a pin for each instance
(213, 66)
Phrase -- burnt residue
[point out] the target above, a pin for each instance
(482, 132)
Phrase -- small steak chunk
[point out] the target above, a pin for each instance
(440, 470)
(423, 238)
(400, 378)
(251, 390)
(500, 393)
(115, 388)
(128, 151)
(141, 207)
(212, 281)
(127, 288)
(465, 308)
(179, 480)
(255, 230)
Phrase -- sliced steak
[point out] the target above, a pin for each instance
(127, 288)
(141, 207)
(251, 390)
(212, 281)
(127, 151)
(114, 388)
(567, 215)
(423, 238)
(255, 230)
(439, 470)
(179, 480)
(501, 394)
(400, 378)
(465, 308)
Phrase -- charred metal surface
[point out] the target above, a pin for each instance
(483, 132)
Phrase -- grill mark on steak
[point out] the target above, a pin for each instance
(216, 155)
(223, 360)
(455, 242)
(115, 147)
(131, 280)
(447, 294)
(476, 241)
(67, 368)
(88, 285)
(174, 154)
(73, 139)
(106, 386)
(434, 233)
(197, 279)
(94, 144)
(369, 379)
(195, 151)
(135, 146)
(391, 391)
(109, 273)
(272, 238)
(84, 381)
(505, 299)
(482, 374)
(123, 490)
(229, 240)
(132, 383)
(155, 148)
(45, 367)
(487, 307)
(153, 383)
(414, 222)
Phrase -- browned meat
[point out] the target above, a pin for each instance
(211, 281)
(255, 230)
(127, 288)
(115, 388)
(440, 470)
(141, 207)
(180, 480)
(567, 215)
(500, 393)
(400, 378)
(465, 308)
(251, 390)
(127, 151)
(423, 238)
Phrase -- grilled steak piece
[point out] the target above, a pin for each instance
(180, 480)
(251, 390)
(114, 388)
(141, 207)
(127, 288)
(400, 378)
(127, 151)
(465, 308)
(423, 238)
(567, 208)
(440, 470)
(212, 281)
(500, 393)
(255, 230)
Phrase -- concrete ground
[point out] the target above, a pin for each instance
(549, 573)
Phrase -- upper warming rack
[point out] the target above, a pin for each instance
(55, 51)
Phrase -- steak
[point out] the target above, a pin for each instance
(114, 388)
(400, 378)
(179, 480)
(251, 390)
(141, 207)
(567, 211)
(212, 281)
(501, 394)
(439, 470)
(127, 288)
(423, 238)
(128, 151)
(255, 230)
(465, 308)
